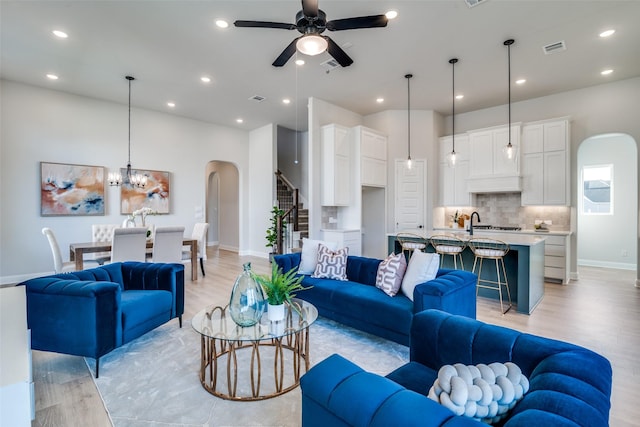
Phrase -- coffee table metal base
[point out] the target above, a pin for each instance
(213, 352)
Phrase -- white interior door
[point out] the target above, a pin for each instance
(410, 196)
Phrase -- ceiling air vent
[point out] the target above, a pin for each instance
(257, 98)
(330, 64)
(472, 3)
(554, 47)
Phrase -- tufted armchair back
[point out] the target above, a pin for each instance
(101, 233)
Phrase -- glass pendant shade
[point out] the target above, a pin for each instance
(311, 45)
(409, 163)
(247, 302)
(510, 151)
(451, 159)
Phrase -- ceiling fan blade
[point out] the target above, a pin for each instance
(337, 53)
(264, 24)
(356, 23)
(310, 8)
(286, 54)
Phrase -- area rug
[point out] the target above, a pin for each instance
(153, 381)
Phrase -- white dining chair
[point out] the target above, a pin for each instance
(129, 244)
(101, 233)
(58, 265)
(167, 244)
(199, 233)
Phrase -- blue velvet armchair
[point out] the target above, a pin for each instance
(91, 312)
(569, 385)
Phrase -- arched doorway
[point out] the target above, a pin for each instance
(223, 204)
(607, 208)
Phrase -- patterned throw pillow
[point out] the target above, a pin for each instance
(390, 273)
(331, 264)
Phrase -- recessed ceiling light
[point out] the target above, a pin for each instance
(52, 76)
(205, 79)
(299, 61)
(221, 23)
(60, 34)
(380, 100)
(607, 33)
(606, 72)
(459, 96)
(391, 14)
(286, 101)
(521, 81)
(239, 120)
(171, 104)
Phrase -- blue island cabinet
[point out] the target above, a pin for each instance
(524, 265)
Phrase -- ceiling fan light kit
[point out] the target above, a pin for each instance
(311, 22)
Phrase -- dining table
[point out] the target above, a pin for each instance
(77, 251)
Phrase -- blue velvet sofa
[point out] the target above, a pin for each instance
(359, 304)
(569, 385)
(91, 312)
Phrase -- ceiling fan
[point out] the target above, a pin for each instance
(312, 22)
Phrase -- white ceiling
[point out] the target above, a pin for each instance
(168, 45)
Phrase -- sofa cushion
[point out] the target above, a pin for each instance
(331, 264)
(390, 273)
(422, 268)
(139, 307)
(309, 257)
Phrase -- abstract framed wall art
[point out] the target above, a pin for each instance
(154, 195)
(74, 190)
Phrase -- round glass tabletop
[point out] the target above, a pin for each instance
(216, 322)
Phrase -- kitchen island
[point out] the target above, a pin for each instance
(524, 264)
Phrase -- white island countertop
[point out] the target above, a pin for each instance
(512, 238)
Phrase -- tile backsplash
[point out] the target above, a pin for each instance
(504, 209)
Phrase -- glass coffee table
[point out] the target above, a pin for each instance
(232, 357)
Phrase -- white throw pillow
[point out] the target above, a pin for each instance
(422, 268)
(309, 257)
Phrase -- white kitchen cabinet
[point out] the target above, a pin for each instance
(373, 156)
(453, 180)
(545, 163)
(336, 165)
(351, 239)
(489, 169)
(556, 258)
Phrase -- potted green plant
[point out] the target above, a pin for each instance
(279, 288)
(272, 231)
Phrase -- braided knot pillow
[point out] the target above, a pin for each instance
(483, 392)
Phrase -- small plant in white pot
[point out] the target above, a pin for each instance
(279, 288)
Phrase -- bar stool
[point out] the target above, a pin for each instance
(410, 242)
(496, 250)
(445, 244)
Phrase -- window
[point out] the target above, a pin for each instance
(597, 186)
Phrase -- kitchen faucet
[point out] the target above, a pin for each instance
(471, 223)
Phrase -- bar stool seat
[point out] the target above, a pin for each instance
(410, 242)
(496, 250)
(446, 244)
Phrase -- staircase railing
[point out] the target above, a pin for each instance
(288, 200)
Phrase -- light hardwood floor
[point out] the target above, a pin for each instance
(601, 311)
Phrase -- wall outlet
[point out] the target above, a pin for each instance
(332, 220)
(624, 253)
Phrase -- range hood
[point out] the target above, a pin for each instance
(495, 184)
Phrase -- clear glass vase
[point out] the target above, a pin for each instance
(247, 299)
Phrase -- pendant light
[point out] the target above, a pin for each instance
(134, 180)
(408, 77)
(451, 158)
(509, 150)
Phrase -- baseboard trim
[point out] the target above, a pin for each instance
(574, 276)
(606, 264)
(14, 280)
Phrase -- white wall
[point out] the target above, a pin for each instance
(261, 190)
(44, 125)
(606, 108)
(603, 238)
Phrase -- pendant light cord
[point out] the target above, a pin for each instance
(408, 77)
(453, 102)
(129, 138)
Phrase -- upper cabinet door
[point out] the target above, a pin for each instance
(555, 136)
(481, 150)
(502, 165)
